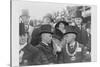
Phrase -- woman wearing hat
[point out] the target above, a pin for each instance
(60, 29)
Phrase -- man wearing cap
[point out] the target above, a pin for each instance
(45, 45)
(72, 50)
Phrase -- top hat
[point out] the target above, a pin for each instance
(46, 29)
(25, 13)
(71, 30)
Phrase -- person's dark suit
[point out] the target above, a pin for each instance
(32, 56)
(82, 36)
(80, 55)
(48, 53)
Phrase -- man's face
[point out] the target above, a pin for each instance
(78, 21)
(25, 19)
(47, 37)
(69, 37)
(46, 20)
(26, 27)
(88, 30)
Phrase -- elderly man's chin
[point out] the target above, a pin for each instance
(49, 42)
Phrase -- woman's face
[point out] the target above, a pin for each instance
(61, 26)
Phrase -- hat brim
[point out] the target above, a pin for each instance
(46, 32)
(57, 24)
(71, 33)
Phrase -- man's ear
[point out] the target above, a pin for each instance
(75, 37)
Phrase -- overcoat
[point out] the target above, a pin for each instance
(79, 56)
(47, 52)
(32, 56)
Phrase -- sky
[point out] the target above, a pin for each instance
(36, 9)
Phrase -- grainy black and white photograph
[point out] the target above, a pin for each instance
(53, 33)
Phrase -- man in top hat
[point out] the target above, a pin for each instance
(82, 36)
(25, 19)
(45, 45)
(72, 50)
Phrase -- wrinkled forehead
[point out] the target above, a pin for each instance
(70, 35)
(46, 34)
(78, 18)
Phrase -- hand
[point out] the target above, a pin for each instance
(20, 56)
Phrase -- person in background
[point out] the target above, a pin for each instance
(88, 29)
(48, 20)
(22, 35)
(28, 55)
(31, 29)
(73, 51)
(35, 37)
(82, 36)
(25, 18)
(60, 29)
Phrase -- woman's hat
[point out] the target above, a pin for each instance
(64, 22)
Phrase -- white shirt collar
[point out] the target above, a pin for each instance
(72, 44)
(45, 43)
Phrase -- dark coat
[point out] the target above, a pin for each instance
(32, 55)
(80, 55)
(21, 29)
(89, 43)
(35, 37)
(48, 53)
(58, 34)
(82, 36)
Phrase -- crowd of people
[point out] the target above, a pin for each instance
(55, 39)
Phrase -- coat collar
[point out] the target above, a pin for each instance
(44, 45)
